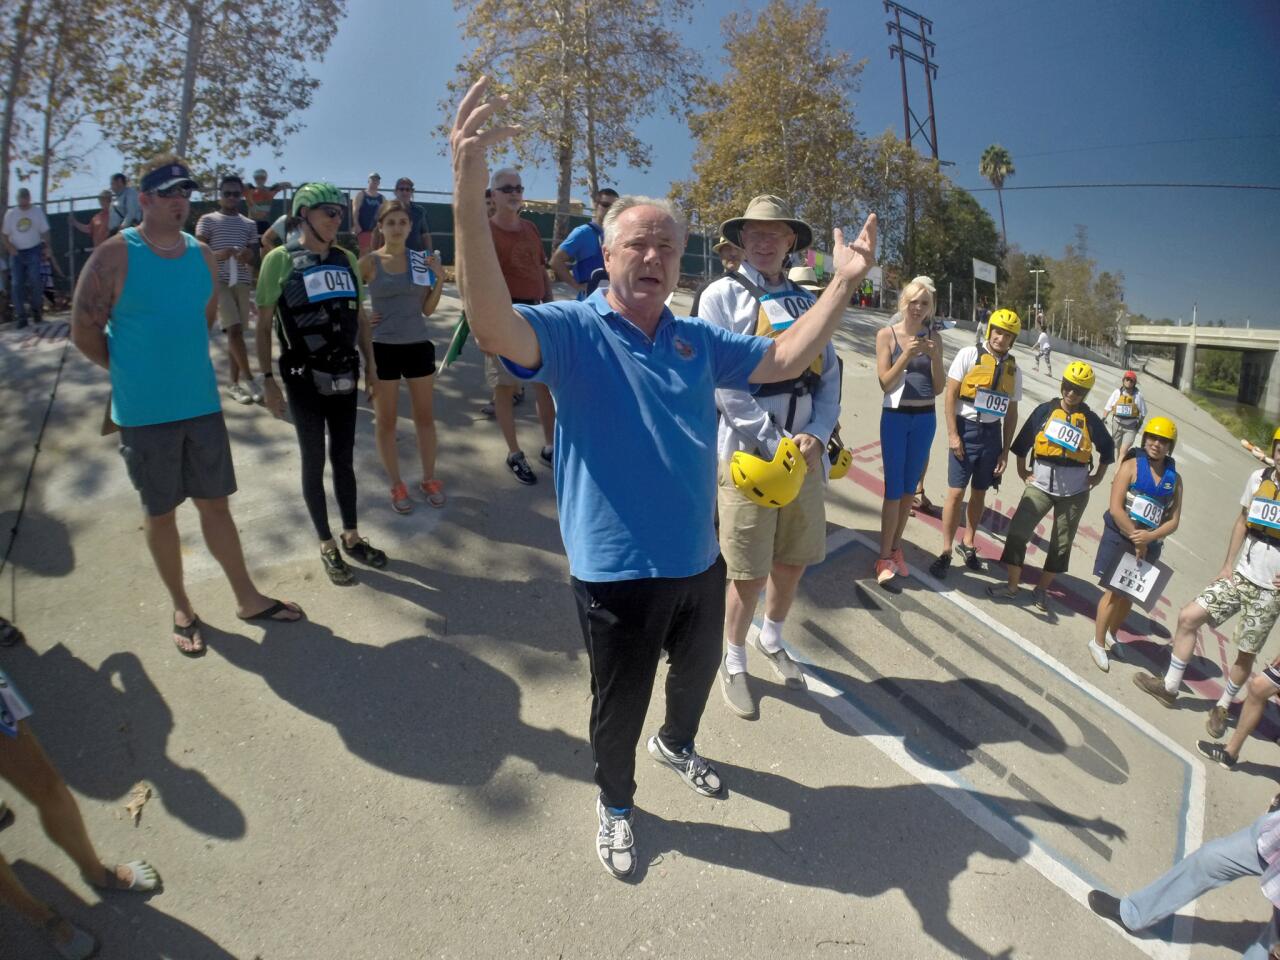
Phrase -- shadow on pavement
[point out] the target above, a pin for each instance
(127, 926)
(113, 731)
(863, 841)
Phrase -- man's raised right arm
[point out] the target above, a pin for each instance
(96, 292)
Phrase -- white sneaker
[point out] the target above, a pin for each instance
(1108, 640)
(1099, 657)
(239, 393)
(615, 845)
(256, 389)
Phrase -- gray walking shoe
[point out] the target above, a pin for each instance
(737, 695)
(615, 844)
(694, 770)
(788, 670)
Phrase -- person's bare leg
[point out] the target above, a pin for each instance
(784, 581)
(888, 526)
(1260, 691)
(223, 540)
(1241, 668)
(1046, 578)
(1190, 619)
(166, 553)
(13, 894)
(238, 353)
(1121, 604)
(1102, 618)
(546, 412)
(504, 413)
(741, 597)
(951, 517)
(904, 514)
(422, 400)
(977, 505)
(386, 399)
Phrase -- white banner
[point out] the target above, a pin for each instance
(983, 271)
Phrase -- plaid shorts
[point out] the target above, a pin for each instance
(1258, 609)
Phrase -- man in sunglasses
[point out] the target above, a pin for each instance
(233, 238)
(143, 308)
(581, 248)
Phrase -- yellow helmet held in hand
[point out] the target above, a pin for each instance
(1162, 427)
(1079, 374)
(770, 483)
(840, 458)
(1004, 319)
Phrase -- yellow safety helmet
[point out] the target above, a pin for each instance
(770, 483)
(840, 458)
(1275, 436)
(1004, 319)
(1163, 427)
(1079, 374)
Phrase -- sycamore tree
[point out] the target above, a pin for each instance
(579, 75)
(779, 121)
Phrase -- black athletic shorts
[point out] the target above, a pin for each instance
(408, 360)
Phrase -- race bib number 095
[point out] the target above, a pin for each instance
(1265, 512)
(1064, 434)
(992, 403)
(329, 283)
(1146, 511)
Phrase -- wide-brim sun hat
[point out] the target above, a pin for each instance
(764, 208)
(805, 277)
(722, 243)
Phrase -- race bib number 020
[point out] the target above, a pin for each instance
(1146, 511)
(991, 402)
(1265, 512)
(423, 275)
(329, 283)
(783, 309)
(1064, 434)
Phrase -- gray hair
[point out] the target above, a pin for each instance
(624, 204)
(503, 172)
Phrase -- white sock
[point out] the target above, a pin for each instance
(771, 635)
(1229, 694)
(735, 660)
(1173, 679)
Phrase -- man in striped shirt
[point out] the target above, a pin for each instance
(233, 238)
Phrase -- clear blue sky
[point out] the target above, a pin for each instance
(1076, 92)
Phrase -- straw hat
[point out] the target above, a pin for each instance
(768, 207)
(805, 277)
(722, 243)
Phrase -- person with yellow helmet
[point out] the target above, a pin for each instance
(980, 407)
(767, 546)
(1055, 454)
(1247, 584)
(1146, 506)
(1128, 409)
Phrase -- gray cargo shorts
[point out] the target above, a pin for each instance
(169, 462)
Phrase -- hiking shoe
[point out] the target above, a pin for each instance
(365, 552)
(788, 670)
(336, 567)
(1217, 753)
(1041, 599)
(1150, 683)
(1001, 592)
(694, 770)
(737, 695)
(400, 501)
(615, 845)
(518, 465)
(971, 558)
(938, 569)
(884, 571)
(487, 409)
(1099, 657)
(547, 455)
(1216, 722)
(1107, 907)
(240, 393)
(899, 562)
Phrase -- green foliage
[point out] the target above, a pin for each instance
(996, 165)
(1217, 370)
(951, 230)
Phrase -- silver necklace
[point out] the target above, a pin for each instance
(173, 246)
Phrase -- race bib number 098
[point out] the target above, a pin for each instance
(329, 283)
(992, 403)
(1265, 512)
(1064, 434)
(783, 309)
(1146, 511)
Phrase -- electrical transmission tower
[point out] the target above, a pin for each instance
(912, 124)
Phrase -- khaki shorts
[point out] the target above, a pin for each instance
(753, 538)
(497, 375)
(1258, 609)
(233, 305)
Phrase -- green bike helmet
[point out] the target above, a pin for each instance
(314, 194)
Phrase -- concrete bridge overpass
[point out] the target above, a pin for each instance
(1259, 374)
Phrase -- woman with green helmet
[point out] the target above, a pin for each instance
(1145, 507)
(309, 292)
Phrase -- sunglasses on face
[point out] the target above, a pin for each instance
(329, 210)
(231, 193)
(168, 193)
(404, 189)
(510, 189)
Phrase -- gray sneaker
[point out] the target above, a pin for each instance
(788, 670)
(615, 845)
(694, 770)
(1041, 599)
(737, 695)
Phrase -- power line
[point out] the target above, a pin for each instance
(1150, 143)
(1110, 186)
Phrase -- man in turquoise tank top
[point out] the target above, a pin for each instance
(143, 309)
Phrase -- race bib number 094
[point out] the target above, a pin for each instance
(329, 283)
(1064, 434)
(992, 403)
(1265, 512)
(1146, 511)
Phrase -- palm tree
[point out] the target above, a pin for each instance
(996, 165)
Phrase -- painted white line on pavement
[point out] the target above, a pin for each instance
(1182, 546)
(1026, 848)
(1187, 448)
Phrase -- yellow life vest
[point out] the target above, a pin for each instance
(1046, 449)
(1267, 490)
(795, 304)
(982, 375)
(775, 312)
(1126, 407)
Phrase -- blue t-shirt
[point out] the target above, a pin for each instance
(583, 244)
(635, 442)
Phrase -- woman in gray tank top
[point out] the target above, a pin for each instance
(909, 365)
(405, 287)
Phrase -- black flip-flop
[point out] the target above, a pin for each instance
(10, 635)
(276, 607)
(188, 633)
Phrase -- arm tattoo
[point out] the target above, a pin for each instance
(95, 294)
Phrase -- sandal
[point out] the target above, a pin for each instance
(277, 607)
(434, 491)
(82, 944)
(337, 569)
(145, 878)
(365, 552)
(10, 635)
(191, 634)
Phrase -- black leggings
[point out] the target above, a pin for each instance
(312, 413)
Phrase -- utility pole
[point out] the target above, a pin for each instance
(1037, 274)
(1068, 301)
(912, 124)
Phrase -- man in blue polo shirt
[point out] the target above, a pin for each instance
(582, 247)
(635, 459)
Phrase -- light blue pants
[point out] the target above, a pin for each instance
(1217, 863)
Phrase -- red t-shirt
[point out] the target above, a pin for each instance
(522, 259)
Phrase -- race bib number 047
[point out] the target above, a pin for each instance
(329, 283)
(991, 402)
(1265, 512)
(1064, 434)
